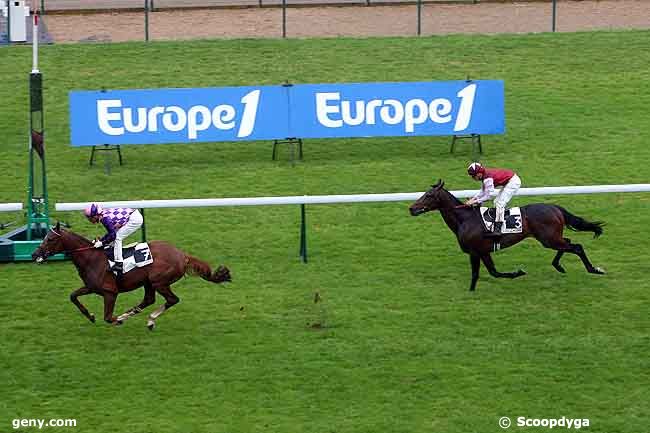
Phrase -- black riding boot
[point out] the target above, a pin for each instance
(117, 268)
(496, 230)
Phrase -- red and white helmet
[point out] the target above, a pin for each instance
(92, 210)
(475, 168)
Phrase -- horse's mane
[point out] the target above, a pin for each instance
(76, 236)
(453, 197)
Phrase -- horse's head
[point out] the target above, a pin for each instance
(52, 244)
(429, 201)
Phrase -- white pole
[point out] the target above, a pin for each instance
(8, 207)
(35, 44)
(348, 198)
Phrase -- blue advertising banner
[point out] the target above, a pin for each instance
(178, 115)
(278, 112)
(397, 109)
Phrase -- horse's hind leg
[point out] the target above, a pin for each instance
(109, 307)
(73, 298)
(556, 260)
(564, 245)
(149, 298)
(475, 261)
(171, 300)
(580, 252)
(489, 264)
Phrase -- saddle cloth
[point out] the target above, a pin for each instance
(512, 218)
(134, 255)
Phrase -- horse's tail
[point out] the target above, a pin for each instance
(194, 266)
(576, 223)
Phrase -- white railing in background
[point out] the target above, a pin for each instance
(9, 207)
(331, 199)
(348, 198)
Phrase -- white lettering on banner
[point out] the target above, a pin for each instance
(104, 117)
(322, 109)
(467, 103)
(113, 119)
(332, 112)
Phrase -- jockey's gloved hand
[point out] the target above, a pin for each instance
(98, 244)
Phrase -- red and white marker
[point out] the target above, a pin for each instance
(35, 44)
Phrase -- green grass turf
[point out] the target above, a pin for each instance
(405, 347)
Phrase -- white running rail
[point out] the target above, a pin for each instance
(9, 207)
(348, 198)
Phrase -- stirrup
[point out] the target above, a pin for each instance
(494, 233)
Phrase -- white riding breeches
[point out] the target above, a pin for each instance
(134, 223)
(504, 196)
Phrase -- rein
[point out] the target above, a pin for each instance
(89, 247)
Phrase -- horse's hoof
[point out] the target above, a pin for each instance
(92, 318)
(599, 271)
(151, 324)
(521, 272)
(222, 275)
(117, 323)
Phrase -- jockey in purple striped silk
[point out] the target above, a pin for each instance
(119, 224)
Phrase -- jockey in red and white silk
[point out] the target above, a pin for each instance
(119, 223)
(492, 178)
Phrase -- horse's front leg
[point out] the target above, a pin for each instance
(73, 298)
(109, 306)
(475, 261)
(489, 264)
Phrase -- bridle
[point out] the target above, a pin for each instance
(47, 253)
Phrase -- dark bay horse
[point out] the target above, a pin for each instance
(170, 264)
(545, 222)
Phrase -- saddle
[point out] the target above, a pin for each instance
(512, 219)
(134, 255)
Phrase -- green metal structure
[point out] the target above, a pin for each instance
(19, 244)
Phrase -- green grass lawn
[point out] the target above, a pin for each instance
(405, 347)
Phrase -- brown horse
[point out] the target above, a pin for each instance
(545, 222)
(170, 264)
